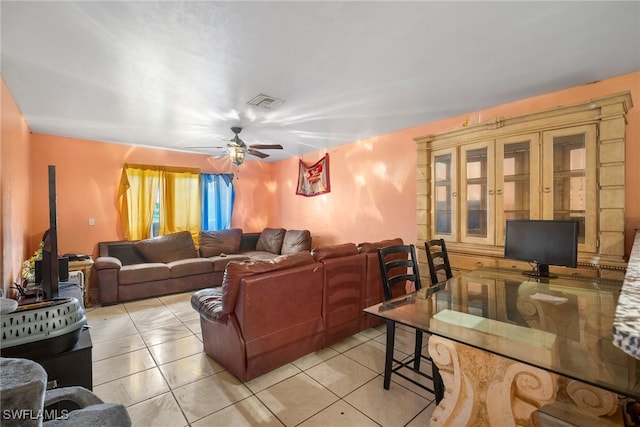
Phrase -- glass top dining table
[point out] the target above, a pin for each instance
(562, 324)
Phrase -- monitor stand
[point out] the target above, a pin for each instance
(541, 271)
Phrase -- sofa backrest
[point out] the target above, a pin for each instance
(344, 281)
(279, 300)
(214, 243)
(124, 250)
(334, 251)
(249, 242)
(368, 247)
(237, 270)
(373, 292)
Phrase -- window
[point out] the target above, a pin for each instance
(217, 195)
(158, 200)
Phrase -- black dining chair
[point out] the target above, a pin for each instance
(438, 260)
(399, 268)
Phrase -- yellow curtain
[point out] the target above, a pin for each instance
(180, 202)
(137, 194)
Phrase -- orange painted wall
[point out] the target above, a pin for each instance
(373, 181)
(16, 183)
(87, 177)
(373, 192)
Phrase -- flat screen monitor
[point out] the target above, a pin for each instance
(543, 243)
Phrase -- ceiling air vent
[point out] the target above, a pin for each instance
(265, 101)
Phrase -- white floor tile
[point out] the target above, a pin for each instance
(246, 413)
(159, 411)
(210, 394)
(133, 388)
(296, 399)
(176, 349)
(149, 356)
(121, 366)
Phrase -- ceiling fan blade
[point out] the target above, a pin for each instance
(257, 153)
(209, 147)
(267, 146)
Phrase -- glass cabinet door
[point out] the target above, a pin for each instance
(444, 196)
(569, 180)
(477, 190)
(517, 181)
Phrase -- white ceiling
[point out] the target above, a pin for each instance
(177, 74)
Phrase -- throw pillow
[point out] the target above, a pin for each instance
(296, 241)
(167, 248)
(270, 240)
(214, 243)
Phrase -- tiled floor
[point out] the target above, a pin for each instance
(148, 355)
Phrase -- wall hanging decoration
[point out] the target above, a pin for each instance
(314, 179)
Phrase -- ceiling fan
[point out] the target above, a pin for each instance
(237, 148)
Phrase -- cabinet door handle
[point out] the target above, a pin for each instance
(547, 190)
(491, 192)
(454, 194)
(498, 191)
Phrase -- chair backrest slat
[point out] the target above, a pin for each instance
(398, 266)
(438, 259)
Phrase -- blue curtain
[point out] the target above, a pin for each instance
(218, 195)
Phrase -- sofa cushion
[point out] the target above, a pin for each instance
(236, 270)
(190, 267)
(260, 255)
(296, 241)
(167, 248)
(367, 247)
(334, 251)
(139, 273)
(271, 240)
(220, 262)
(213, 243)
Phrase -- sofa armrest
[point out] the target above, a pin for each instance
(208, 303)
(106, 262)
(105, 274)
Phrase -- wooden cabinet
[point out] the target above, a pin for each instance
(461, 263)
(564, 163)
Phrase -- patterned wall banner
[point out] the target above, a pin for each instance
(314, 179)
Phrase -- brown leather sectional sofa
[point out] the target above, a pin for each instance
(129, 270)
(271, 312)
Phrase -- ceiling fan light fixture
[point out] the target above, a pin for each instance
(236, 154)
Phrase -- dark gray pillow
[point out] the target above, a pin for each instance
(167, 248)
(296, 241)
(270, 240)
